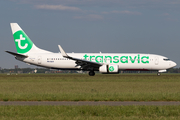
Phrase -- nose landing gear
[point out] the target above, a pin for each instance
(158, 74)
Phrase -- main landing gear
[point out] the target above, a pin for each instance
(91, 73)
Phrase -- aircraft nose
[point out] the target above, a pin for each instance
(173, 64)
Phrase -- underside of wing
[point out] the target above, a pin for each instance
(86, 65)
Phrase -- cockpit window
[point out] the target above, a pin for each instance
(166, 59)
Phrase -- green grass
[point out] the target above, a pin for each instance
(79, 87)
(90, 112)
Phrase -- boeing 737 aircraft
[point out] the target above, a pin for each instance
(108, 63)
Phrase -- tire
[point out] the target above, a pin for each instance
(158, 74)
(91, 73)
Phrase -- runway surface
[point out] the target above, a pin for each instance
(80, 103)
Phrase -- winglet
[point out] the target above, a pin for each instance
(62, 51)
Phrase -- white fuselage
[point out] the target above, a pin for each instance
(125, 61)
(107, 63)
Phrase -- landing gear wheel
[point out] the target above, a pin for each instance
(158, 74)
(91, 73)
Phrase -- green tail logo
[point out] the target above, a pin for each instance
(22, 42)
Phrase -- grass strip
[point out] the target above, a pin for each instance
(78, 87)
(90, 112)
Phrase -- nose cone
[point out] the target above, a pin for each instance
(173, 64)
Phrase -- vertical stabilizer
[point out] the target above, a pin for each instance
(22, 41)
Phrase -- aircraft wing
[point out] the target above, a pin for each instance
(16, 54)
(85, 64)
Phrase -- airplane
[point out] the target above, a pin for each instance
(106, 63)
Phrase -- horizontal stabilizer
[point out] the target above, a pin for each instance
(16, 54)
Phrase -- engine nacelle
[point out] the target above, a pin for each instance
(109, 69)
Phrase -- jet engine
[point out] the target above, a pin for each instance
(109, 69)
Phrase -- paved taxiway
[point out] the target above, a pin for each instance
(80, 103)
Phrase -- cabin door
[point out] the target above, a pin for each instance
(39, 59)
(156, 60)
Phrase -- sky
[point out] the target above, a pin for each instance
(82, 26)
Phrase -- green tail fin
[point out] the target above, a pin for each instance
(22, 41)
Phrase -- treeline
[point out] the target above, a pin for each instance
(23, 70)
(34, 70)
(173, 70)
(44, 70)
